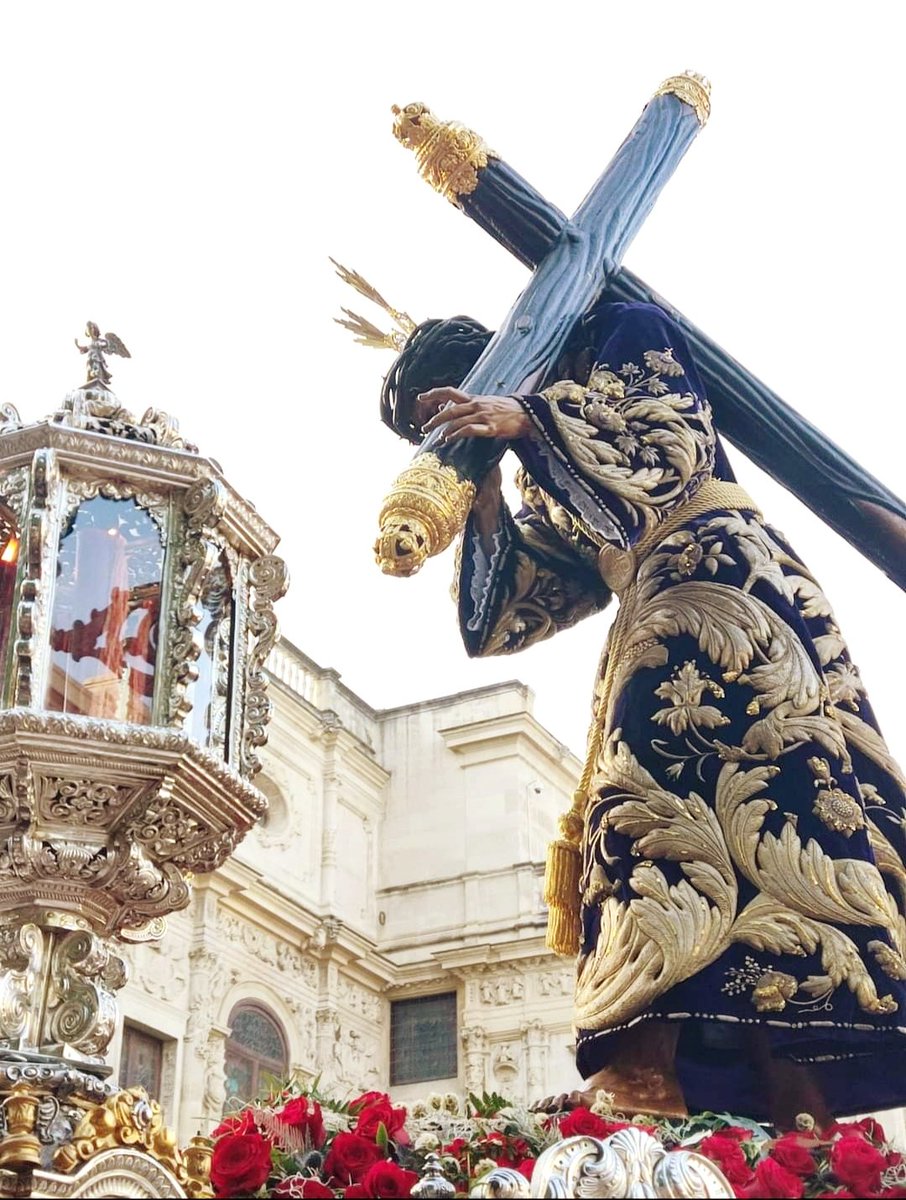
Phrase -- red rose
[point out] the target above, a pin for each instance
(349, 1157)
(790, 1153)
(771, 1181)
(303, 1187)
(241, 1122)
(296, 1114)
(240, 1163)
(497, 1146)
(726, 1154)
(367, 1098)
(843, 1194)
(857, 1164)
(355, 1191)
(387, 1179)
(527, 1168)
(873, 1130)
(583, 1122)
(736, 1132)
(868, 1127)
(380, 1112)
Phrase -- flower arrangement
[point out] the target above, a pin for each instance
(300, 1144)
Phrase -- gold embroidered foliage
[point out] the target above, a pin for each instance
(636, 438)
(804, 893)
(545, 591)
(684, 690)
(665, 934)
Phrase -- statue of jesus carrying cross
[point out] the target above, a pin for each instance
(731, 873)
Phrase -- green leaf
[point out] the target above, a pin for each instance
(488, 1104)
(382, 1137)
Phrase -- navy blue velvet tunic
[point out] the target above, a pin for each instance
(743, 825)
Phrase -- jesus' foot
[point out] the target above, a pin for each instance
(640, 1076)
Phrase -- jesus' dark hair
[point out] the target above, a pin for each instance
(441, 353)
(437, 354)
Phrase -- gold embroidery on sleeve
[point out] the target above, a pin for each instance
(656, 441)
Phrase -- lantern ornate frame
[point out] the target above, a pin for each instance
(104, 821)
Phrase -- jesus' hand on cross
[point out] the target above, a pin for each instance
(463, 415)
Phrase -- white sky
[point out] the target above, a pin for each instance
(180, 172)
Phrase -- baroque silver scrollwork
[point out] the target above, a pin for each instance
(203, 506)
(630, 1163)
(74, 1007)
(85, 976)
(38, 550)
(14, 491)
(269, 578)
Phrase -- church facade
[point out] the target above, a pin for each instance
(382, 928)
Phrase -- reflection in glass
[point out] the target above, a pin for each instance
(106, 612)
(209, 694)
(9, 561)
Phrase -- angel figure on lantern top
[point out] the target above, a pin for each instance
(97, 347)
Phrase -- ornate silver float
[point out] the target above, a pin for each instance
(136, 613)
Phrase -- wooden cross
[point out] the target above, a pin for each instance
(575, 262)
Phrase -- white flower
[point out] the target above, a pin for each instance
(426, 1142)
(482, 1167)
(603, 1105)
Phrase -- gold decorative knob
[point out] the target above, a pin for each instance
(449, 155)
(424, 511)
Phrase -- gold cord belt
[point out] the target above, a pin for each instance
(619, 568)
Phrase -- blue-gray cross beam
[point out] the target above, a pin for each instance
(576, 261)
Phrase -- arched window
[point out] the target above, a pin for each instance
(256, 1053)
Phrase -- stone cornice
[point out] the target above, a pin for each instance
(519, 732)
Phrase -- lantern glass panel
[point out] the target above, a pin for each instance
(9, 562)
(209, 694)
(106, 612)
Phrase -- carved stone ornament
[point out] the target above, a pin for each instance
(630, 1163)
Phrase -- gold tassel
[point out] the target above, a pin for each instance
(562, 881)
